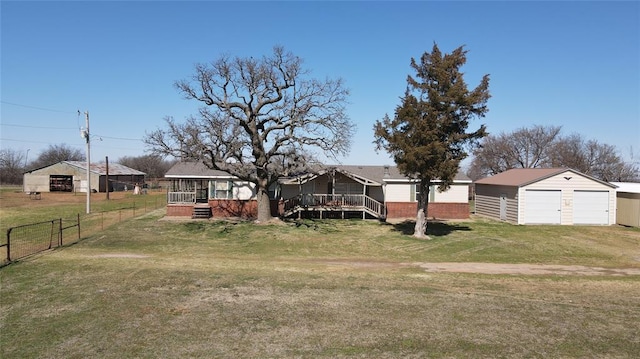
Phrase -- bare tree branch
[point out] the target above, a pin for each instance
(262, 118)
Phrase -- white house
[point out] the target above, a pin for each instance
(330, 192)
(198, 191)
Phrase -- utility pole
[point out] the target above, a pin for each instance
(85, 133)
(106, 158)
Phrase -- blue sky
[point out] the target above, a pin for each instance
(572, 64)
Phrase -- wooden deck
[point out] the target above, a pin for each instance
(314, 205)
(328, 205)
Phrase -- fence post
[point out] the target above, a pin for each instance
(78, 226)
(9, 244)
(102, 221)
(60, 236)
(134, 208)
(53, 223)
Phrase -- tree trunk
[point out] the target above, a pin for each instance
(420, 230)
(264, 205)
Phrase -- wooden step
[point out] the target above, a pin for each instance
(201, 212)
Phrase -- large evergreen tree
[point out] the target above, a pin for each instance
(428, 135)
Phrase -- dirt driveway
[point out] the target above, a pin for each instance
(488, 268)
(501, 268)
(455, 267)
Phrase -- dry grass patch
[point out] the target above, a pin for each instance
(152, 288)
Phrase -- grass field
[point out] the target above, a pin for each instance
(153, 288)
(16, 207)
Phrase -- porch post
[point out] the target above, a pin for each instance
(333, 184)
(364, 193)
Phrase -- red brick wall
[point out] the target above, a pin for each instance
(237, 208)
(435, 210)
(226, 208)
(233, 208)
(179, 210)
(249, 209)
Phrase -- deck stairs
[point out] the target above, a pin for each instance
(201, 212)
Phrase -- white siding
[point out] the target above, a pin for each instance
(243, 190)
(567, 182)
(457, 193)
(399, 192)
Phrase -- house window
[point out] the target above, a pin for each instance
(221, 189)
(415, 193)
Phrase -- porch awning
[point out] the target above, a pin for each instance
(331, 171)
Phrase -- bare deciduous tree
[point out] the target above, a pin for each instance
(263, 118)
(523, 148)
(154, 166)
(11, 166)
(57, 153)
(544, 147)
(596, 159)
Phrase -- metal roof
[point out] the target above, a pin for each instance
(115, 169)
(628, 187)
(518, 177)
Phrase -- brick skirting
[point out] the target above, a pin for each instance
(179, 210)
(435, 210)
(249, 209)
(222, 208)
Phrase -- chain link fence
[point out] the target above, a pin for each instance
(25, 240)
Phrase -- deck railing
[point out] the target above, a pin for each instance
(181, 197)
(335, 202)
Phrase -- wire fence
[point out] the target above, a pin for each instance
(26, 240)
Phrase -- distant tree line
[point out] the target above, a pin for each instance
(13, 163)
(544, 147)
(154, 166)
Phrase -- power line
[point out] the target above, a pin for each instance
(38, 142)
(41, 127)
(119, 138)
(36, 108)
(69, 128)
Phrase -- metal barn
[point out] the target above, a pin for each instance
(71, 176)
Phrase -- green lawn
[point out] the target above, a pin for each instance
(151, 288)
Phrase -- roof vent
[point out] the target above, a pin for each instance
(386, 171)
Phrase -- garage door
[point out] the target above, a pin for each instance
(591, 207)
(542, 207)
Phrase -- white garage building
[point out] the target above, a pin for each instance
(546, 196)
